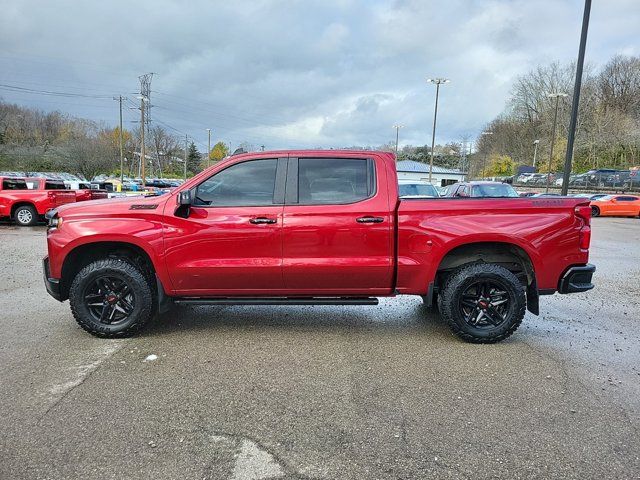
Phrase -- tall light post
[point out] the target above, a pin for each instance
(397, 127)
(209, 149)
(437, 82)
(557, 96)
(484, 157)
(535, 151)
(576, 98)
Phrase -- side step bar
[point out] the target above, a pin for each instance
(278, 301)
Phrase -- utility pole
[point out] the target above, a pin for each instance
(557, 96)
(209, 149)
(397, 127)
(437, 82)
(484, 158)
(576, 98)
(186, 140)
(143, 153)
(535, 151)
(145, 118)
(121, 142)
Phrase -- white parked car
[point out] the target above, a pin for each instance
(417, 189)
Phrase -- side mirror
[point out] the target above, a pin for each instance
(184, 204)
(184, 198)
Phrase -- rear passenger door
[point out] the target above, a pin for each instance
(337, 227)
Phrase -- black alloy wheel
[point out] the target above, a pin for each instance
(109, 299)
(484, 304)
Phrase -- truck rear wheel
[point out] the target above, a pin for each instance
(25, 216)
(111, 298)
(483, 303)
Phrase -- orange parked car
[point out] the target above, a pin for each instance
(616, 205)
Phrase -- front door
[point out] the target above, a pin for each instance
(337, 230)
(231, 243)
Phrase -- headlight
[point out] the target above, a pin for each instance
(53, 220)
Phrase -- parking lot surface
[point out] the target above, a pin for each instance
(322, 392)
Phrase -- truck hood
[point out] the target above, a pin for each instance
(113, 207)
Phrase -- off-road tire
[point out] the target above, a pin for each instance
(136, 280)
(25, 216)
(595, 211)
(458, 282)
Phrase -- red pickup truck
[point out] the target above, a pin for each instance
(27, 205)
(315, 227)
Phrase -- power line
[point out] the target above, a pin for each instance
(16, 88)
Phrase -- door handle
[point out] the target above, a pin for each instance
(262, 220)
(370, 220)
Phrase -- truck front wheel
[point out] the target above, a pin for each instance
(483, 303)
(111, 298)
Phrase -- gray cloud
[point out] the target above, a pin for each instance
(299, 73)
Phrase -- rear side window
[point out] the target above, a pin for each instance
(626, 199)
(245, 184)
(11, 184)
(54, 186)
(334, 181)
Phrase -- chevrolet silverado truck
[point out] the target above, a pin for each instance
(25, 205)
(315, 228)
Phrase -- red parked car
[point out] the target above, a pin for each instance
(315, 227)
(27, 205)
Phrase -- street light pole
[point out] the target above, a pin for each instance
(397, 127)
(437, 82)
(557, 96)
(576, 98)
(535, 151)
(209, 149)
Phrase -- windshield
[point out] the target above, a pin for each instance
(417, 189)
(493, 190)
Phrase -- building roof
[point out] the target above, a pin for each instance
(419, 167)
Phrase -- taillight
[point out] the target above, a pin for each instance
(585, 237)
(583, 212)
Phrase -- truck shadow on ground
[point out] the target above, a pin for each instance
(389, 317)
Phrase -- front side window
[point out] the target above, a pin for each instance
(246, 184)
(334, 181)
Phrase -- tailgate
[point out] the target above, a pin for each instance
(62, 197)
(99, 194)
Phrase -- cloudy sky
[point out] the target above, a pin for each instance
(287, 73)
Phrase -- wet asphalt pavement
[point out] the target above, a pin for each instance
(322, 392)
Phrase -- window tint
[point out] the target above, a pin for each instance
(244, 184)
(334, 181)
(626, 199)
(10, 184)
(54, 186)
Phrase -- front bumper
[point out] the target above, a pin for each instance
(51, 284)
(577, 279)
